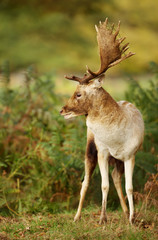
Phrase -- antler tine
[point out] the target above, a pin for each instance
(124, 47)
(112, 27)
(96, 28)
(105, 23)
(89, 71)
(121, 59)
(117, 30)
(74, 78)
(121, 40)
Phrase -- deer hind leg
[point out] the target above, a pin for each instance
(103, 165)
(90, 164)
(129, 167)
(116, 176)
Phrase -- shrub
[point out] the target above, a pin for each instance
(42, 155)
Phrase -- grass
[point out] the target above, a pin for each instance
(61, 226)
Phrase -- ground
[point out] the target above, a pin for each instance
(61, 226)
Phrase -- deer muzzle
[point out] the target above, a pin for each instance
(67, 114)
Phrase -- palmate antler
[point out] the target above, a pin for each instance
(109, 49)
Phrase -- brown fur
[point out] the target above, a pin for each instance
(119, 164)
(91, 155)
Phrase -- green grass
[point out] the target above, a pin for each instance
(61, 226)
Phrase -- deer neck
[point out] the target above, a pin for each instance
(103, 108)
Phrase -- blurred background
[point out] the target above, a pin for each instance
(59, 36)
(41, 154)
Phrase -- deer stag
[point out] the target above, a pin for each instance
(114, 129)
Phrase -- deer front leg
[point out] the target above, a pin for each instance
(90, 164)
(129, 167)
(104, 168)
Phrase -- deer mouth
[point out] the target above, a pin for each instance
(69, 115)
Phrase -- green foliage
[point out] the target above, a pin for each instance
(42, 155)
(147, 102)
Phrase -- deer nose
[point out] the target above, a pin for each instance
(61, 111)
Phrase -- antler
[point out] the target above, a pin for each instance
(109, 49)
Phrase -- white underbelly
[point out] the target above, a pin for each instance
(120, 143)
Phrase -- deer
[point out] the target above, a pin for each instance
(115, 130)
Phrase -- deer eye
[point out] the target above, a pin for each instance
(78, 95)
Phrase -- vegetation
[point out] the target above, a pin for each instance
(42, 155)
(60, 226)
(41, 166)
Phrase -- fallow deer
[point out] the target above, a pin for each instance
(115, 130)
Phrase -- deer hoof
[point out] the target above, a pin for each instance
(131, 219)
(103, 220)
(77, 218)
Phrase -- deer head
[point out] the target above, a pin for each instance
(82, 101)
(111, 53)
